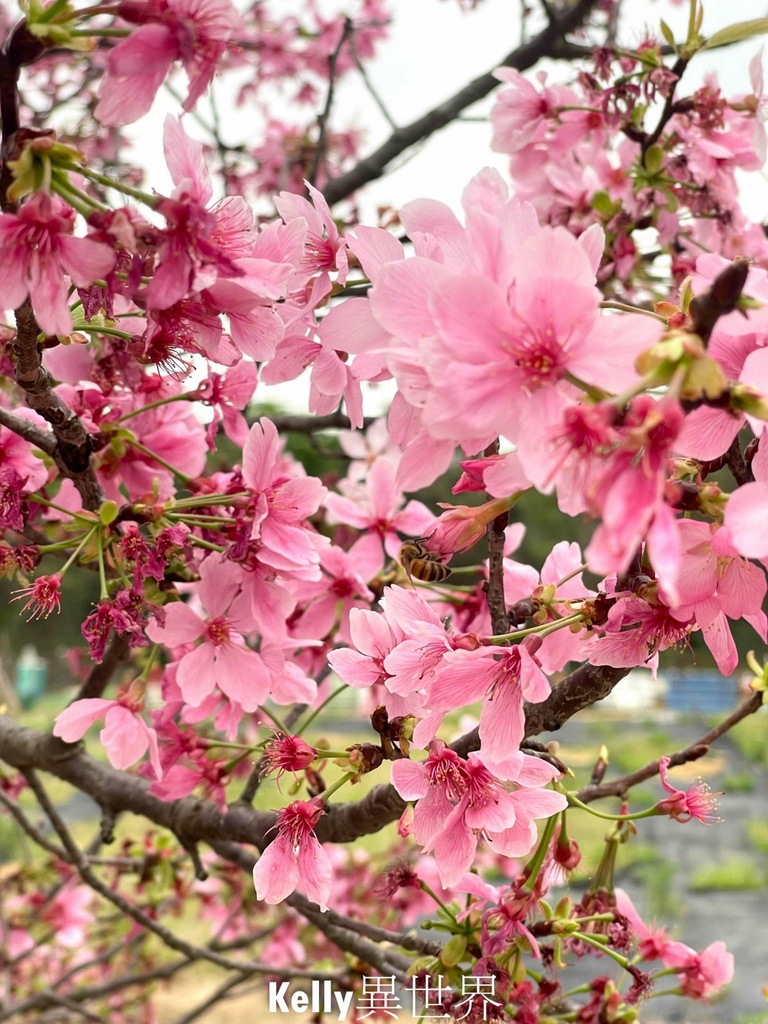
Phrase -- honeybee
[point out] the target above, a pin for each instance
(422, 564)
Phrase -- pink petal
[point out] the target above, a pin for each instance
(75, 721)
(195, 675)
(241, 674)
(124, 737)
(182, 626)
(315, 872)
(409, 779)
(276, 873)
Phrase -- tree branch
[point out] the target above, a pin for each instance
(690, 753)
(42, 439)
(524, 56)
(322, 122)
(100, 675)
(72, 452)
(193, 820)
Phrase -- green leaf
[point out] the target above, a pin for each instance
(666, 31)
(735, 33)
(654, 160)
(454, 950)
(603, 204)
(108, 512)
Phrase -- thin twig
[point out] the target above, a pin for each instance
(318, 159)
(522, 57)
(370, 87)
(26, 826)
(690, 753)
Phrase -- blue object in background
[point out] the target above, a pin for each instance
(31, 676)
(705, 692)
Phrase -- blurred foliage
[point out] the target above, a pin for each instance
(739, 782)
(733, 875)
(757, 834)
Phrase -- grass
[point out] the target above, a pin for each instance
(739, 782)
(757, 834)
(751, 737)
(737, 874)
(629, 754)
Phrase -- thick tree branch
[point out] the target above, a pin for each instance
(194, 820)
(42, 439)
(524, 56)
(73, 449)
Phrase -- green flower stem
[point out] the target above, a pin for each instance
(544, 630)
(150, 662)
(425, 888)
(231, 765)
(270, 714)
(188, 396)
(322, 753)
(158, 459)
(534, 865)
(199, 518)
(97, 33)
(79, 548)
(595, 393)
(112, 332)
(570, 576)
(632, 309)
(207, 499)
(574, 801)
(103, 592)
(113, 183)
(230, 746)
(62, 545)
(200, 543)
(121, 574)
(592, 941)
(80, 200)
(345, 778)
(58, 508)
(576, 991)
(316, 712)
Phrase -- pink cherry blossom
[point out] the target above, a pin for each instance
(195, 32)
(458, 801)
(378, 509)
(283, 502)
(503, 678)
(701, 975)
(44, 596)
(695, 802)
(295, 859)
(37, 250)
(126, 737)
(222, 659)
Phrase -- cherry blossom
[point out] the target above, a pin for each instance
(37, 250)
(223, 658)
(295, 858)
